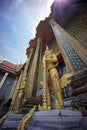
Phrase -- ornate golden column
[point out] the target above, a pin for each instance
(73, 53)
(48, 98)
(29, 89)
(3, 79)
(44, 96)
(22, 85)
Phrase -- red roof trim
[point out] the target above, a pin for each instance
(10, 68)
(8, 64)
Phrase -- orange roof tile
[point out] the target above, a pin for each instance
(9, 65)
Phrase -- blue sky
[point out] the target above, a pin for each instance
(18, 20)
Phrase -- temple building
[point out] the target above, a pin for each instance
(49, 92)
(9, 74)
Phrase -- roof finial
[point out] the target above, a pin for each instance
(47, 47)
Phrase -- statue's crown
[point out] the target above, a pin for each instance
(47, 51)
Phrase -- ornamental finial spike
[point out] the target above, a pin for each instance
(47, 47)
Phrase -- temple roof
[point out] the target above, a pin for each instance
(10, 67)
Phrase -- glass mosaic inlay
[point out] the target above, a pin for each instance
(75, 60)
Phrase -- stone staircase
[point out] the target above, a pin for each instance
(47, 120)
(11, 122)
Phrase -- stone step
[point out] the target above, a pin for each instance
(57, 119)
(41, 127)
(10, 124)
(46, 120)
(12, 121)
(14, 117)
(45, 126)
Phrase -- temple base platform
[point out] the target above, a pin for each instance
(56, 120)
(48, 120)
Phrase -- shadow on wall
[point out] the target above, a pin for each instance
(5, 107)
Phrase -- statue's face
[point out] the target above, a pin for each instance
(48, 52)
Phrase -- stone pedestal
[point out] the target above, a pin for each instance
(57, 120)
(48, 120)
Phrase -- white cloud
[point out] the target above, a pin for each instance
(23, 22)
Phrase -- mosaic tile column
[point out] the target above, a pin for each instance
(73, 55)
